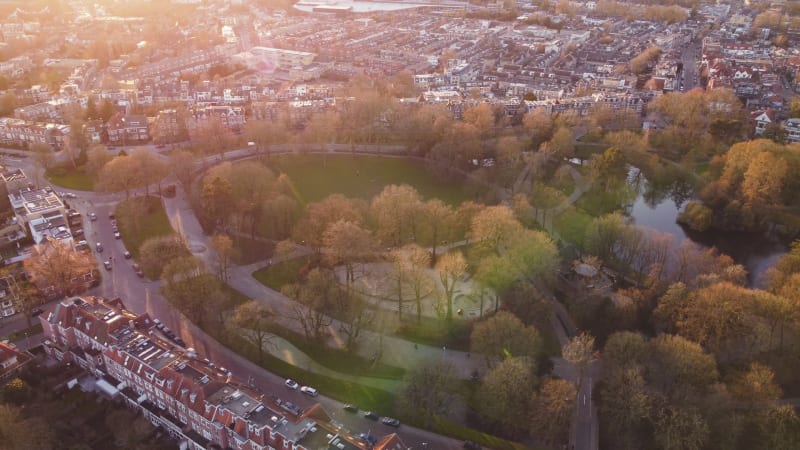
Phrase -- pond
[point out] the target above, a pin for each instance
(657, 207)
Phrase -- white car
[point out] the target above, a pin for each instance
(291, 384)
(308, 390)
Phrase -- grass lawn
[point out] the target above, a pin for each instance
(71, 179)
(317, 176)
(571, 225)
(279, 275)
(250, 251)
(365, 397)
(139, 219)
(436, 332)
(339, 360)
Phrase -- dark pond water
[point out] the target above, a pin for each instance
(657, 207)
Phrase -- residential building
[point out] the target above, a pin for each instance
(762, 120)
(31, 204)
(8, 296)
(196, 402)
(169, 127)
(792, 128)
(127, 129)
(23, 133)
(11, 360)
(231, 117)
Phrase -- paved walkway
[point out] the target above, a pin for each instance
(391, 350)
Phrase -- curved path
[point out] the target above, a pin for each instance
(391, 350)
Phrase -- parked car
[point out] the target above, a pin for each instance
(70, 195)
(158, 324)
(78, 232)
(391, 421)
(107, 264)
(99, 247)
(291, 384)
(470, 445)
(138, 270)
(180, 342)
(117, 235)
(350, 408)
(92, 217)
(126, 254)
(36, 311)
(371, 415)
(111, 216)
(308, 390)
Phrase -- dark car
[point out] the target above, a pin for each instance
(391, 421)
(180, 342)
(350, 408)
(469, 445)
(36, 311)
(371, 415)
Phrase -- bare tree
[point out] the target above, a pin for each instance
(451, 267)
(56, 266)
(253, 321)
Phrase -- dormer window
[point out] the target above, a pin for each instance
(192, 397)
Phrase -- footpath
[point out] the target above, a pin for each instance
(387, 349)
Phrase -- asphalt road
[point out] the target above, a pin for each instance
(689, 59)
(141, 295)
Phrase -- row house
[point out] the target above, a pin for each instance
(127, 129)
(169, 127)
(195, 62)
(37, 94)
(232, 117)
(24, 133)
(49, 111)
(269, 111)
(198, 403)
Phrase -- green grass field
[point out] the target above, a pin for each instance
(76, 179)
(277, 276)
(317, 176)
(139, 219)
